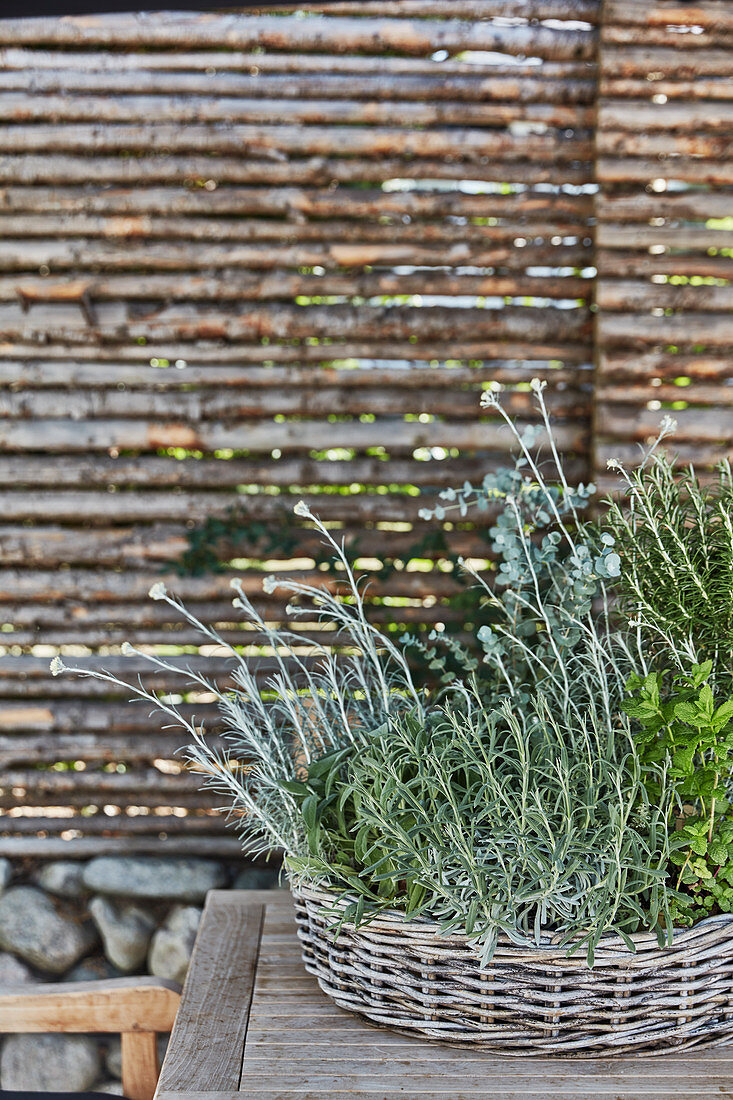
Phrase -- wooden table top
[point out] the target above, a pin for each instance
(253, 1023)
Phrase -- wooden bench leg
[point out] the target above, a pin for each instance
(139, 1064)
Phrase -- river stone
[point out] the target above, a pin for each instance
(112, 1087)
(94, 968)
(49, 1063)
(154, 878)
(14, 972)
(31, 927)
(257, 878)
(170, 951)
(64, 877)
(125, 932)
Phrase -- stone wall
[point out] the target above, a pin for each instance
(74, 920)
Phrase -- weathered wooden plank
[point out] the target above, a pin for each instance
(718, 396)
(100, 586)
(41, 373)
(671, 13)
(714, 145)
(109, 73)
(673, 207)
(212, 1021)
(259, 62)
(636, 296)
(81, 847)
(59, 254)
(677, 239)
(706, 88)
(615, 262)
(277, 141)
(21, 108)
(152, 167)
(709, 330)
(615, 365)
(153, 471)
(349, 202)
(639, 117)
(69, 437)
(693, 425)
(714, 170)
(156, 824)
(587, 11)
(142, 1004)
(327, 400)
(640, 59)
(316, 33)
(138, 546)
(693, 40)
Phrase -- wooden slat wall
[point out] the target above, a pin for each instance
(664, 233)
(340, 228)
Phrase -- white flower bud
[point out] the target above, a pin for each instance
(302, 509)
(269, 584)
(127, 649)
(57, 666)
(157, 592)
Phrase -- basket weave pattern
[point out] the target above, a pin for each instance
(529, 1000)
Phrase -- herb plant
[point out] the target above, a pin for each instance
(551, 782)
(685, 745)
(491, 822)
(675, 540)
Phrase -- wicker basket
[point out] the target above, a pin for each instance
(405, 975)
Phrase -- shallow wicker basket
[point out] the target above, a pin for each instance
(405, 975)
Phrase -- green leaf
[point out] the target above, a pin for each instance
(717, 853)
(309, 810)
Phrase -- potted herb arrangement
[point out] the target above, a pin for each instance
(537, 856)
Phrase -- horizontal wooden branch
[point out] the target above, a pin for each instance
(707, 330)
(613, 262)
(577, 10)
(672, 207)
(109, 255)
(317, 33)
(280, 142)
(710, 37)
(619, 365)
(62, 321)
(705, 88)
(301, 202)
(113, 75)
(20, 108)
(340, 237)
(669, 14)
(69, 436)
(215, 62)
(228, 406)
(639, 117)
(150, 166)
(631, 59)
(241, 285)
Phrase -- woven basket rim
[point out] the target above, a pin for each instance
(682, 937)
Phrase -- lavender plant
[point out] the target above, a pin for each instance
(307, 709)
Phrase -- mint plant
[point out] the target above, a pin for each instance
(685, 744)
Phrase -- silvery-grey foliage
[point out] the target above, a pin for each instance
(307, 708)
